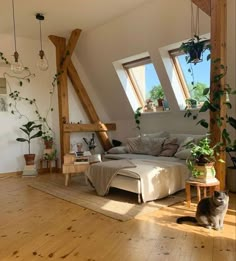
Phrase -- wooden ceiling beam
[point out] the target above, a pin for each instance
(87, 104)
(204, 5)
(70, 48)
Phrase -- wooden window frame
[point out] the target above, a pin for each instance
(133, 64)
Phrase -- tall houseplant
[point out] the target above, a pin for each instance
(32, 131)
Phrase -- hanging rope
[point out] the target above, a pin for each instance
(194, 21)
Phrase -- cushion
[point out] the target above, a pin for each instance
(169, 148)
(183, 154)
(182, 137)
(161, 134)
(151, 145)
(133, 145)
(183, 144)
(118, 150)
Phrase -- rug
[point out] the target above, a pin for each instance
(118, 204)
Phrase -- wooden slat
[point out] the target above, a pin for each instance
(60, 44)
(89, 127)
(218, 44)
(204, 5)
(87, 104)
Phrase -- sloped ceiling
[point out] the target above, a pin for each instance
(61, 16)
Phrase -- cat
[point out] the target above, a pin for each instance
(210, 211)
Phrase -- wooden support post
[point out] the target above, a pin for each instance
(218, 51)
(60, 44)
(65, 65)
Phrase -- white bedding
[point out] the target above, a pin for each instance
(158, 177)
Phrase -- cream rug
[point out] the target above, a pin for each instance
(118, 204)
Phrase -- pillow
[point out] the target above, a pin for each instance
(182, 137)
(170, 147)
(182, 145)
(151, 145)
(95, 158)
(161, 134)
(118, 150)
(183, 154)
(116, 143)
(133, 145)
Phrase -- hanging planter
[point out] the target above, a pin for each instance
(194, 49)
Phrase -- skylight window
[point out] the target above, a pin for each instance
(146, 85)
(193, 78)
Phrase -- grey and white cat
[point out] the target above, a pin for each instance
(210, 211)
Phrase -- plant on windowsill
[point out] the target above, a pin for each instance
(32, 131)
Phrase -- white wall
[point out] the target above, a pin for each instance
(145, 29)
(11, 151)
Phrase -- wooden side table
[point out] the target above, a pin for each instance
(70, 168)
(46, 166)
(199, 185)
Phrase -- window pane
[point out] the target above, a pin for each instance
(197, 77)
(149, 87)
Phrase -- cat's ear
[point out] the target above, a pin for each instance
(226, 192)
(216, 193)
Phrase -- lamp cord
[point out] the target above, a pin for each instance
(40, 30)
(14, 23)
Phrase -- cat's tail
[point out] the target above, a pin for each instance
(180, 220)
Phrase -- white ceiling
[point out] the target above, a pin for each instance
(61, 16)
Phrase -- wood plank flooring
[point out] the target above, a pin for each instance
(37, 226)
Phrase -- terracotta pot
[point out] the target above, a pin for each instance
(160, 102)
(29, 159)
(48, 144)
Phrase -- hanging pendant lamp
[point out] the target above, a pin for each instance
(42, 62)
(16, 65)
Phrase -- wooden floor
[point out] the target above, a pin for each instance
(37, 226)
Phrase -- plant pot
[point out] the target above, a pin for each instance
(205, 172)
(160, 102)
(48, 144)
(231, 179)
(29, 159)
(195, 55)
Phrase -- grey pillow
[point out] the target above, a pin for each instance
(183, 154)
(169, 148)
(151, 145)
(118, 150)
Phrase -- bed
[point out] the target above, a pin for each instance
(148, 176)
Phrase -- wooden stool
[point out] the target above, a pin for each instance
(212, 186)
(47, 165)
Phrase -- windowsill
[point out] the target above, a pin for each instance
(153, 112)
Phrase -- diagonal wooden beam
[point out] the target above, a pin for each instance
(73, 127)
(87, 104)
(218, 51)
(60, 44)
(204, 5)
(70, 48)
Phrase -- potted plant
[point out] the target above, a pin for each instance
(231, 170)
(194, 49)
(32, 131)
(47, 139)
(137, 115)
(158, 94)
(202, 159)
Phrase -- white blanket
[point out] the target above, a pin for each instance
(158, 178)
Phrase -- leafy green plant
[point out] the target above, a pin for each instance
(202, 153)
(137, 115)
(194, 49)
(32, 131)
(157, 93)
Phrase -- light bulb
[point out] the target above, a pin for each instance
(17, 66)
(42, 62)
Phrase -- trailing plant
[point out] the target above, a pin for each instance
(137, 115)
(214, 106)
